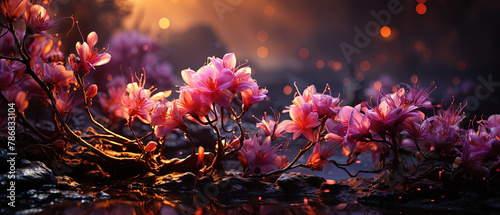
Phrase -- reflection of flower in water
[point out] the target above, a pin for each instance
(134, 51)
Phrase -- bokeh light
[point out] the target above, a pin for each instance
(385, 31)
(262, 36)
(164, 23)
(364, 66)
(420, 46)
(303, 53)
(320, 64)
(287, 90)
(455, 80)
(421, 9)
(377, 85)
(262, 52)
(461, 66)
(269, 10)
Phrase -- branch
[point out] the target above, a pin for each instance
(87, 109)
(381, 167)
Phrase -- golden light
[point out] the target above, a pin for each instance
(269, 10)
(262, 52)
(421, 9)
(164, 23)
(385, 31)
(320, 64)
(455, 80)
(461, 66)
(174, 1)
(287, 90)
(414, 79)
(262, 36)
(303, 53)
(364, 66)
(377, 85)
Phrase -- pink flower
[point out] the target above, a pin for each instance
(419, 97)
(472, 156)
(56, 74)
(166, 118)
(415, 127)
(11, 10)
(242, 80)
(253, 95)
(304, 120)
(111, 102)
(137, 102)
(89, 56)
(151, 146)
(319, 156)
(271, 128)
(357, 128)
(6, 74)
(190, 102)
(260, 156)
(391, 111)
(65, 101)
(213, 84)
(37, 19)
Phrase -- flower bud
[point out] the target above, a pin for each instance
(92, 91)
(151, 146)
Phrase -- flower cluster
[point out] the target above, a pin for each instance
(393, 128)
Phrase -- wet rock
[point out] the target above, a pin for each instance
(336, 193)
(33, 176)
(298, 182)
(176, 181)
(249, 187)
(67, 183)
(102, 195)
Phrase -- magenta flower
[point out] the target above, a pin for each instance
(271, 128)
(253, 95)
(418, 96)
(390, 111)
(212, 84)
(137, 102)
(242, 80)
(260, 156)
(37, 19)
(166, 118)
(56, 74)
(111, 102)
(357, 128)
(89, 56)
(66, 102)
(6, 74)
(319, 156)
(304, 121)
(191, 102)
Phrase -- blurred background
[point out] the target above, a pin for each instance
(357, 47)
